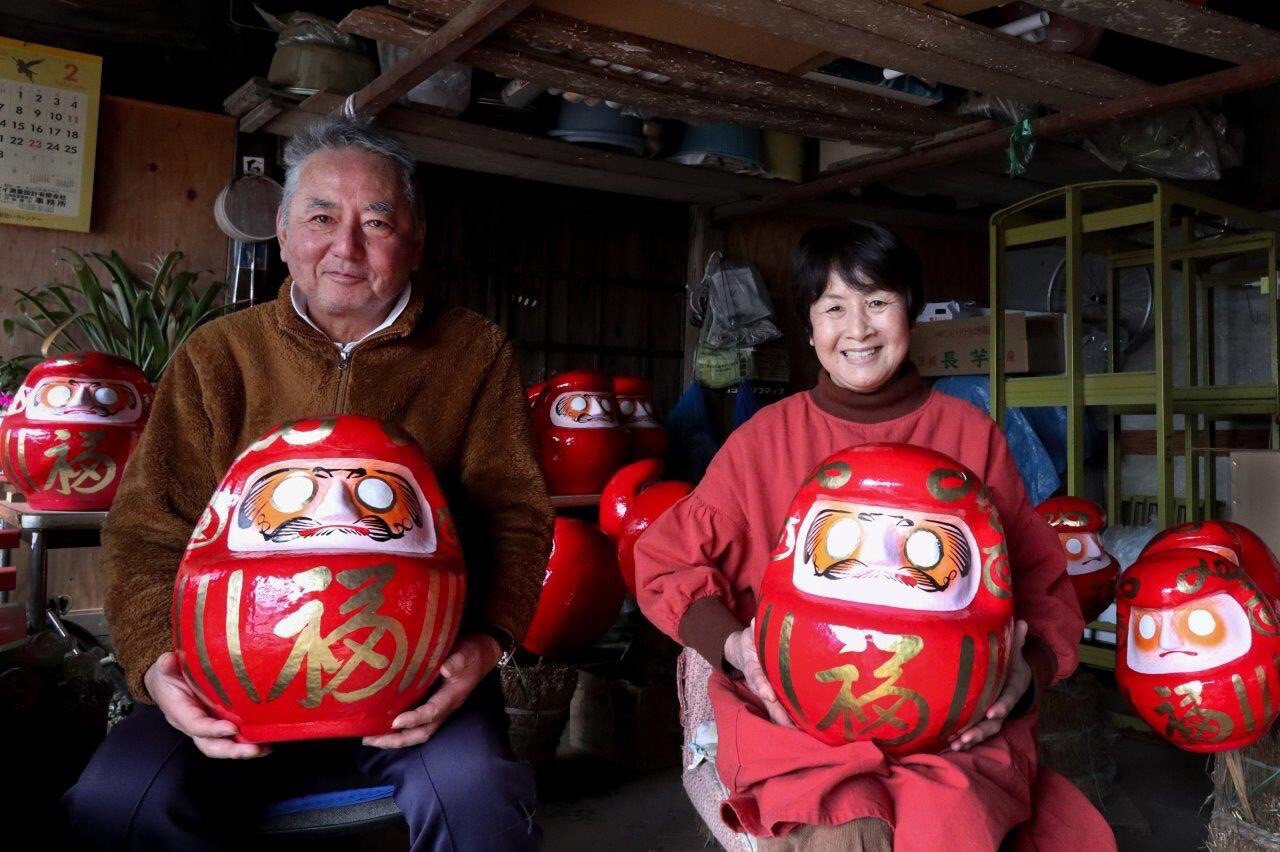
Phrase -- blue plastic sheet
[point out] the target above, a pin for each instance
(1039, 472)
(693, 433)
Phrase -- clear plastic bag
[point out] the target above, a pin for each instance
(307, 28)
(1191, 143)
(741, 315)
(449, 88)
(1125, 543)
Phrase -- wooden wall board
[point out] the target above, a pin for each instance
(159, 169)
(1175, 23)
(158, 172)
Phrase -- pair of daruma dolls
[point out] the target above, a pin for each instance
(588, 425)
(1198, 636)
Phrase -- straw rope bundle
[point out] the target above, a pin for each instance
(537, 701)
(1230, 830)
(1074, 735)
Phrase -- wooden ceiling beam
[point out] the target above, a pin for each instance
(464, 31)
(1240, 78)
(659, 98)
(918, 57)
(1175, 23)
(935, 32)
(725, 77)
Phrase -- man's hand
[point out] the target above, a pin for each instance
(185, 710)
(1014, 688)
(740, 652)
(473, 657)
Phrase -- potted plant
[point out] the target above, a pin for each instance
(145, 321)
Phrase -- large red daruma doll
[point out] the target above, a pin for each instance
(581, 592)
(1196, 649)
(71, 427)
(886, 610)
(322, 586)
(636, 412)
(580, 441)
(1079, 524)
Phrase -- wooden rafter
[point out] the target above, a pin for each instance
(1240, 78)
(716, 75)
(1175, 23)
(578, 76)
(928, 44)
(464, 31)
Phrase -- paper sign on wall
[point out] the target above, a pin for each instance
(48, 129)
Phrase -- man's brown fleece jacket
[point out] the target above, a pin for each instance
(447, 377)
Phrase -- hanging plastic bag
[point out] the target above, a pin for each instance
(1190, 143)
(738, 302)
(720, 367)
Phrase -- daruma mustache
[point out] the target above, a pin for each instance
(370, 526)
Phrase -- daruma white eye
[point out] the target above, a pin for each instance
(924, 549)
(606, 405)
(843, 538)
(59, 396)
(376, 494)
(292, 494)
(626, 406)
(1074, 547)
(106, 396)
(578, 403)
(1201, 622)
(1147, 627)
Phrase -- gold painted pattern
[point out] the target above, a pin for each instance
(235, 584)
(948, 493)
(764, 638)
(1242, 698)
(989, 685)
(835, 475)
(202, 594)
(964, 675)
(784, 663)
(1198, 724)
(424, 636)
(453, 613)
(848, 708)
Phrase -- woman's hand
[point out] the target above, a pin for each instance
(185, 711)
(740, 652)
(1014, 687)
(473, 657)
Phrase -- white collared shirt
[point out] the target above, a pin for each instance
(300, 305)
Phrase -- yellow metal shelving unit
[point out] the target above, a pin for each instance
(1143, 223)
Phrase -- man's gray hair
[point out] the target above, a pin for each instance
(335, 132)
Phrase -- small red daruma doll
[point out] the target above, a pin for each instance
(631, 501)
(886, 610)
(322, 586)
(581, 592)
(70, 430)
(580, 441)
(1196, 649)
(636, 411)
(1079, 524)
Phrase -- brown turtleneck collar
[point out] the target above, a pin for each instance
(901, 395)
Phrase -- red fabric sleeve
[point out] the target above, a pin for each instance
(678, 559)
(1042, 593)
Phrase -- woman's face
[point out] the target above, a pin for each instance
(861, 337)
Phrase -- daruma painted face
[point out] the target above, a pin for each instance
(1079, 524)
(636, 410)
(71, 427)
(323, 584)
(580, 441)
(886, 609)
(1197, 651)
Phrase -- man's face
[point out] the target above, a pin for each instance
(349, 239)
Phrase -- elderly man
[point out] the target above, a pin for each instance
(349, 334)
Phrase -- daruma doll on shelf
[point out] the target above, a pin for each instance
(886, 610)
(632, 500)
(1079, 524)
(580, 441)
(70, 429)
(582, 591)
(323, 585)
(636, 411)
(1196, 649)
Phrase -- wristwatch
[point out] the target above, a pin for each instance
(505, 641)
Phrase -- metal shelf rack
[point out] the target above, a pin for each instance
(1157, 225)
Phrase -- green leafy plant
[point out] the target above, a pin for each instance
(144, 321)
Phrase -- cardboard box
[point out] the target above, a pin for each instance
(1255, 493)
(960, 347)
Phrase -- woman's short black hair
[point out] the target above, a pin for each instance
(859, 252)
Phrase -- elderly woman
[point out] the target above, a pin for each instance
(699, 568)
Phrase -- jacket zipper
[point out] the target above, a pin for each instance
(344, 368)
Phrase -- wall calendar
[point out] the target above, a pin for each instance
(48, 127)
